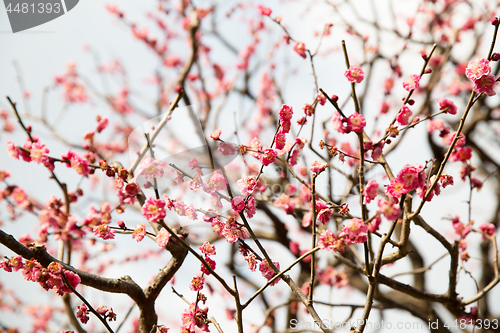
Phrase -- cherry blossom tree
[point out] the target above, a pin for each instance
(358, 161)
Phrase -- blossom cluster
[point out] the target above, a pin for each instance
(479, 72)
(48, 278)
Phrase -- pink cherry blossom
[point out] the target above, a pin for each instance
(324, 215)
(266, 11)
(102, 124)
(318, 167)
(476, 69)
(251, 207)
(216, 134)
(446, 103)
(83, 313)
(411, 82)
(446, 180)
(154, 210)
(389, 208)
(308, 109)
(354, 74)
(12, 150)
(404, 115)
(210, 263)
(80, 165)
(356, 230)
(197, 283)
(488, 229)
(207, 249)
(286, 113)
(103, 231)
(280, 140)
(321, 99)
(485, 85)
(247, 185)
(411, 177)
(371, 191)
(238, 204)
(139, 232)
(461, 154)
(162, 237)
(395, 188)
(300, 48)
(356, 122)
(268, 272)
(330, 242)
(448, 139)
(339, 124)
(39, 152)
(268, 156)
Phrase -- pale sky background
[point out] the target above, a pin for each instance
(44, 51)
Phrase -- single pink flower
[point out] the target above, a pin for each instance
(268, 156)
(395, 188)
(238, 204)
(485, 85)
(216, 134)
(103, 231)
(83, 313)
(488, 229)
(154, 210)
(476, 69)
(389, 208)
(102, 124)
(356, 230)
(411, 177)
(197, 283)
(12, 150)
(461, 154)
(300, 48)
(251, 207)
(321, 99)
(207, 249)
(80, 165)
(356, 122)
(210, 263)
(324, 215)
(308, 109)
(139, 232)
(280, 140)
(371, 191)
(339, 124)
(404, 115)
(286, 113)
(354, 74)
(446, 103)
(267, 270)
(411, 82)
(266, 11)
(39, 152)
(318, 167)
(247, 185)
(163, 237)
